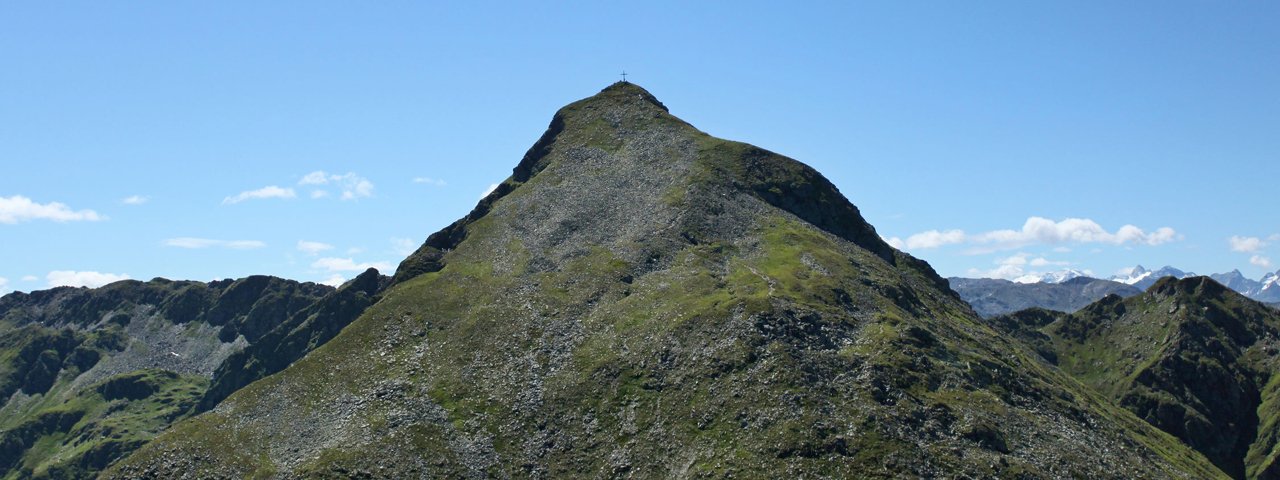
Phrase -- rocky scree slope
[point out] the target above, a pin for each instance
(990, 297)
(642, 299)
(88, 375)
(1189, 356)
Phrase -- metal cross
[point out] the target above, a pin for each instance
(624, 76)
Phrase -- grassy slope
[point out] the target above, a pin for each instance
(74, 434)
(1190, 357)
(57, 345)
(779, 349)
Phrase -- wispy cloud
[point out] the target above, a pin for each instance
(334, 264)
(1246, 244)
(270, 191)
(1260, 261)
(403, 246)
(313, 248)
(195, 243)
(334, 281)
(435, 182)
(18, 208)
(135, 200)
(350, 185)
(1017, 266)
(929, 239)
(71, 278)
(4, 285)
(1037, 230)
(30, 278)
(487, 191)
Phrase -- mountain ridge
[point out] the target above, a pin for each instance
(1190, 356)
(991, 297)
(88, 375)
(641, 298)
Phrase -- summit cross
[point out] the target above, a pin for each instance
(624, 76)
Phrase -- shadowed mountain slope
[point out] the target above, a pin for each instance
(1189, 356)
(642, 299)
(87, 375)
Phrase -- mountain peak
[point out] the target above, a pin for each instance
(626, 92)
(638, 290)
(1190, 285)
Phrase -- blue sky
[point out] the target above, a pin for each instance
(308, 140)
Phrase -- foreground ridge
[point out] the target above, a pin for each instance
(642, 299)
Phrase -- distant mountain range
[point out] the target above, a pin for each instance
(1142, 278)
(1267, 289)
(1059, 276)
(990, 297)
(1069, 290)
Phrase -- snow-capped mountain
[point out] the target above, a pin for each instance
(1053, 277)
(1269, 288)
(1238, 282)
(1142, 278)
(1265, 290)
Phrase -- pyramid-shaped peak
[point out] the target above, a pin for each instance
(622, 93)
(627, 92)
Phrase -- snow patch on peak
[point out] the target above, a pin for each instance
(1053, 277)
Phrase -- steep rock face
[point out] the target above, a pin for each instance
(1189, 356)
(302, 332)
(991, 297)
(642, 299)
(87, 375)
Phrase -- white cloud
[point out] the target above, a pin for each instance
(1043, 262)
(313, 248)
(1037, 230)
(135, 200)
(355, 251)
(403, 246)
(1072, 230)
(435, 182)
(4, 285)
(351, 185)
(72, 278)
(929, 239)
(334, 264)
(1003, 272)
(20, 209)
(30, 278)
(1245, 244)
(334, 281)
(270, 191)
(489, 190)
(314, 178)
(1016, 266)
(192, 242)
(1260, 261)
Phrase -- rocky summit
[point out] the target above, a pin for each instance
(641, 299)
